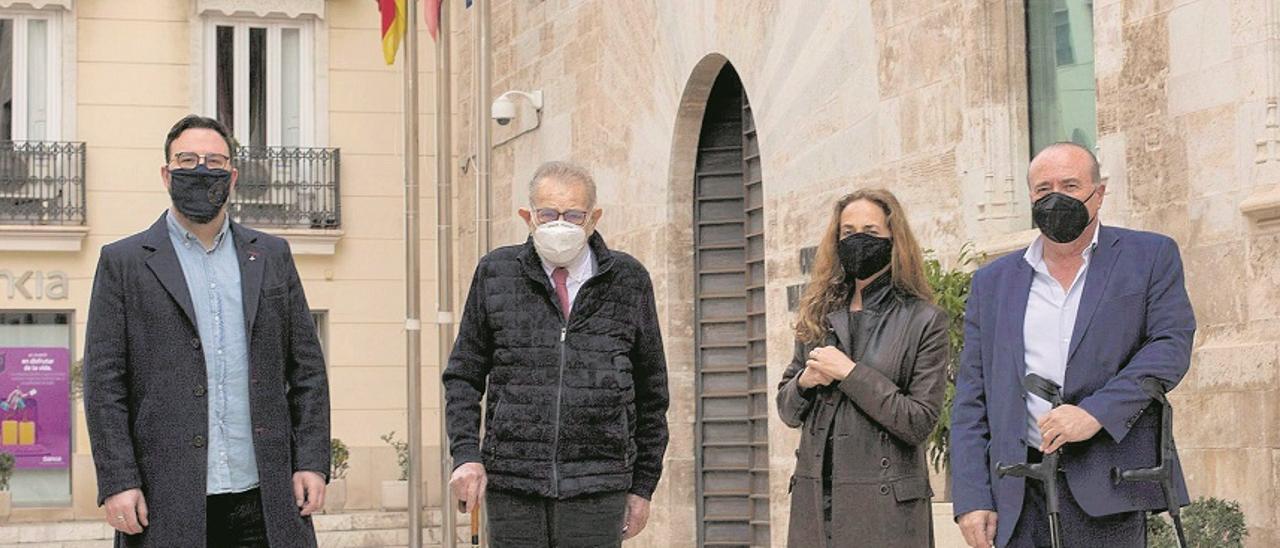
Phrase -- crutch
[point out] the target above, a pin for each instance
(1162, 472)
(1045, 471)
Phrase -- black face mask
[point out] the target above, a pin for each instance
(1060, 217)
(199, 193)
(862, 255)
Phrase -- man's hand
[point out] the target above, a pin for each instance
(636, 518)
(127, 511)
(830, 361)
(979, 528)
(1066, 424)
(308, 491)
(811, 377)
(468, 485)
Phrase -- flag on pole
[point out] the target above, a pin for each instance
(393, 23)
(433, 16)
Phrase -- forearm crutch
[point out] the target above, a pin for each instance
(1162, 472)
(1045, 471)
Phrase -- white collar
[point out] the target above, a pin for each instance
(1035, 252)
(580, 269)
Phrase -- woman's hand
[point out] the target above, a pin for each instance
(830, 361)
(811, 377)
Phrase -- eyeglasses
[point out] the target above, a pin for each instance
(213, 160)
(548, 215)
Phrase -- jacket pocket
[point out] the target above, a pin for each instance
(911, 488)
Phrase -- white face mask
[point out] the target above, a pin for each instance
(559, 242)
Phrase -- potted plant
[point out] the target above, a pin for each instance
(951, 293)
(395, 493)
(335, 496)
(1208, 523)
(6, 471)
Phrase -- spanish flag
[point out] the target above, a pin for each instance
(393, 24)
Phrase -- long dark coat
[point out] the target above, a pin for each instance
(144, 389)
(881, 416)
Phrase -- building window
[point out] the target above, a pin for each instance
(321, 319)
(39, 431)
(259, 80)
(1063, 92)
(30, 86)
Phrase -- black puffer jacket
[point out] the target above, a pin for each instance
(574, 408)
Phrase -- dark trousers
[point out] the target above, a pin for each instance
(1127, 530)
(234, 520)
(527, 521)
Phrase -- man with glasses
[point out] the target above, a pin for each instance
(205, 390)
(564, 331)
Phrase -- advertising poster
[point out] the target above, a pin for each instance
(35, 406)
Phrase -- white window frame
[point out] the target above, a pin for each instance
(53, 76)
(307, 77)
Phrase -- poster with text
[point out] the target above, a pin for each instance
(35, 406)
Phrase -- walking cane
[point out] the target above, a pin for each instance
(1045, 471)
(475, 527)
(475, 522)
(1162, 472)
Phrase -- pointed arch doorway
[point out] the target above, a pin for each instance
(731, 426)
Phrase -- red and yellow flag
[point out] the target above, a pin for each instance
(393, 25)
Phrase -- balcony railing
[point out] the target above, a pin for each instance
(42, 183)
(287, 187)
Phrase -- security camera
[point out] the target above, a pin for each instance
(503, 110)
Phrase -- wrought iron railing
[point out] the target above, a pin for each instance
(287, 187)
(42, 183)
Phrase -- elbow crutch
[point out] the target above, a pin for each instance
(1162, 472)
(1045, 471)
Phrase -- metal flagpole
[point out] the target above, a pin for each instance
(444, 262)
(413, 299)
(483, 136)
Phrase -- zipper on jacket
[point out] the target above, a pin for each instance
(555, 442)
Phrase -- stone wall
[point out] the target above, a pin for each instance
(927, 99)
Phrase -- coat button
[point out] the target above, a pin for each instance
(195, 343)
(884, 462)
(884, 489)
(884, 436)
(199, 391)
(198, 441)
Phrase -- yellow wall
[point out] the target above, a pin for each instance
(134, 73)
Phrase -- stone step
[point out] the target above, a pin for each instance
(358, 529)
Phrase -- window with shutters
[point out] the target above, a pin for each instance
(732, 416)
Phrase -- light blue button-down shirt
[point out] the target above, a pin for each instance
(213, 279)
(1051, 319)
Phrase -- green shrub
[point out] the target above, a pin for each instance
(338, 456)
(6, 470)
(402, 453)
(951, 293)
(1209, 523)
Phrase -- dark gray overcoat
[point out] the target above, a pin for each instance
(144, 386)
(879, 418)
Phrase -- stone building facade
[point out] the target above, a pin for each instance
(933, 101)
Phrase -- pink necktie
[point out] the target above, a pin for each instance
(561, 277)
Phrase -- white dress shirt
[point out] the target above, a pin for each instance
(580, 270)
(1050, 321)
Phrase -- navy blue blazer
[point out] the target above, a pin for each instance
(1135, 321)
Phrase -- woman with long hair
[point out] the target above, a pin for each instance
(865, 384)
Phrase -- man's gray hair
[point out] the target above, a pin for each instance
(1095, 169)
(564, 172)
